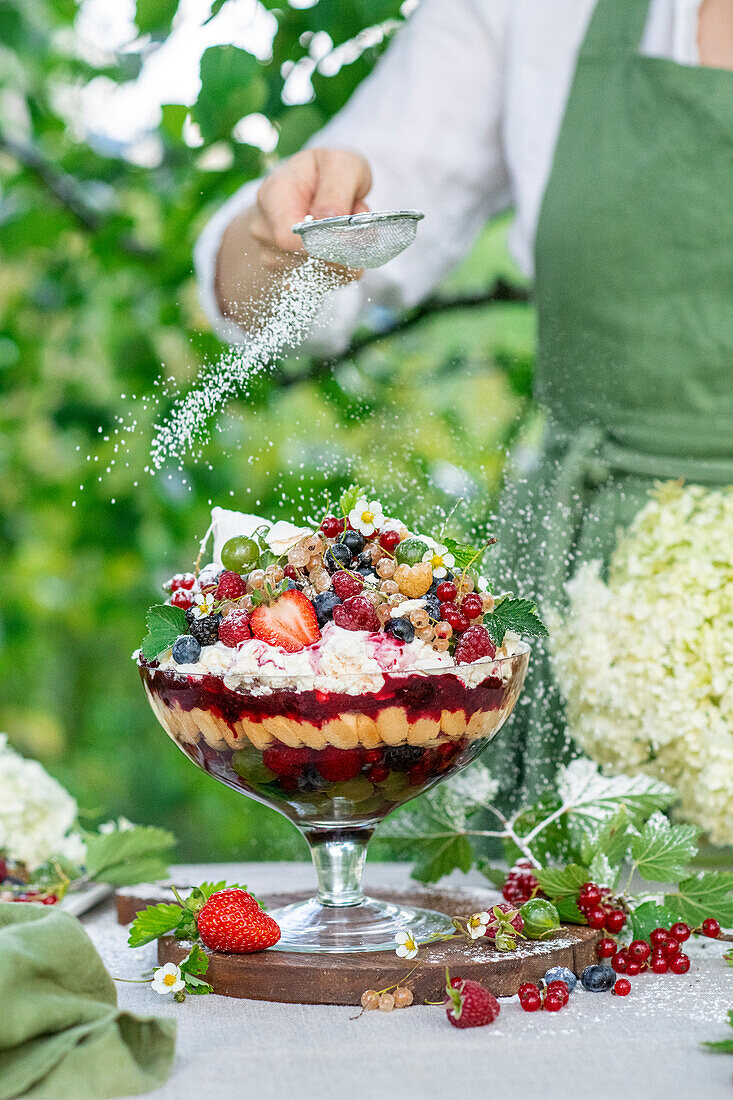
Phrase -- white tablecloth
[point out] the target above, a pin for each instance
(646, 1045)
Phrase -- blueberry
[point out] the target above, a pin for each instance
(364, 561)
(338, 557)
(400, 628)
(186, 650)
(598, 978)
(324, 604)
(432, 606)
(561, 974)
(354, 540)
(402, 757)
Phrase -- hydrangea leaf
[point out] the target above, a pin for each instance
(662, 851)
(519, 616)
(165, 623)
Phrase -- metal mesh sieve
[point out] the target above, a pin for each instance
(359, 240)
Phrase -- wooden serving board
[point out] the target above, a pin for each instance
(296, 978)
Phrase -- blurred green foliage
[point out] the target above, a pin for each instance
(96, 291)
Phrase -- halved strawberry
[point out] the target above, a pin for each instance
(290, 622)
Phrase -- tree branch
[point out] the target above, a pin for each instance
(499, 292)
(68, 193)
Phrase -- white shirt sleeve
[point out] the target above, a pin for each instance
(428, 119)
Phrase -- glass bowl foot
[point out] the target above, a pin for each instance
(309, 926)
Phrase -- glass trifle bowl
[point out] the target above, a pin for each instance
(335, 763)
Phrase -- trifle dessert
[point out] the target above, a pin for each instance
(333, 670)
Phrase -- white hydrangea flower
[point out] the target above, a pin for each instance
(36, 813)
(367, 516)
(167, 979)
(644, 659)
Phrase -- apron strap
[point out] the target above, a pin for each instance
(615, 25)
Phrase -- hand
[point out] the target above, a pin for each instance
(259, 244)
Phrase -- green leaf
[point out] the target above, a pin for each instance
(723, 1046)
(609, 838)
(706, 894)
(495, 875)
(126, 856)
(465, 554)
(562, 882)
(520, 616)
(439, 858)
(593, 798)
(662, 851)
(568, 911)
(231, 87)
(155, 16)
(195, 962)
(349, 498)
(647, 916)
(165, 623)
(602, 871)
(152, 922)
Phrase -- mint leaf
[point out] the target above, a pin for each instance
(349, 498)
(662, 851)
(706, 894)
(152, 922)
(520, 616)
(127, 856)
(647, 916)
(165, 623)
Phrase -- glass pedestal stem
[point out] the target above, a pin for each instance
(338, 857)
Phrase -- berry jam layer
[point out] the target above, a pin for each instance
(412, 709)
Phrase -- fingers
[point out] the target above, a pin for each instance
(320, 182)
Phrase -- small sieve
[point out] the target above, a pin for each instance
(359, 240)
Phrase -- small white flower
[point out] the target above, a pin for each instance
(366, 517)
(476, 925)
(167, 979)
(407, 948)
(284, 535)
(204, 604)
(439, 558)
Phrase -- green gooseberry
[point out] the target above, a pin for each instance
(540, 918)
(410, 551)
(251, 768)
(354, 790)
(240, 554)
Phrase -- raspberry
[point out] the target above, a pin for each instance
(475, 643)
(347, 584)
(284, 761)
(235, 628)
(520, 884)
(356, 613)
(181, 598)
(517, 921)
(338, 765)
(414, 580)
(468, 1004)
(231, 586)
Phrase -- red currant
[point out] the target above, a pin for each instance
(182, 598)
(615, 920)
(633, 968)
(658, 937)
(553, 1002)
(589, 896)
(671, 948)
(527, 989)
(620, 961)
(332, 526)
(680, 964)
(50, 899)
(596, 917)
(710, 928)
(182, 580)
(639, 950)
(622, 987)
(389, 540)
(454, 618)
(531, 1002)
(680, 931)
(659, 964)
(472, 605)
(606, 949)
(290, 572)
(560, 989)
(446, 592)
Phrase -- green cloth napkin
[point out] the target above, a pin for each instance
(62, 1036)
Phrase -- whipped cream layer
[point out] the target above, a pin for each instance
(351, 662)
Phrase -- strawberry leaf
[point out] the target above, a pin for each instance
(349, 498)
(153, 922)
(519, 616)
(165, 623)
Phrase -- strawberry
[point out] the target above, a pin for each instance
(290, 622)
(236, 924)
(468, 1004)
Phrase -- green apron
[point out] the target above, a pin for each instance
(634, 291)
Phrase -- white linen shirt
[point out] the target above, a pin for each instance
(459, 119)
